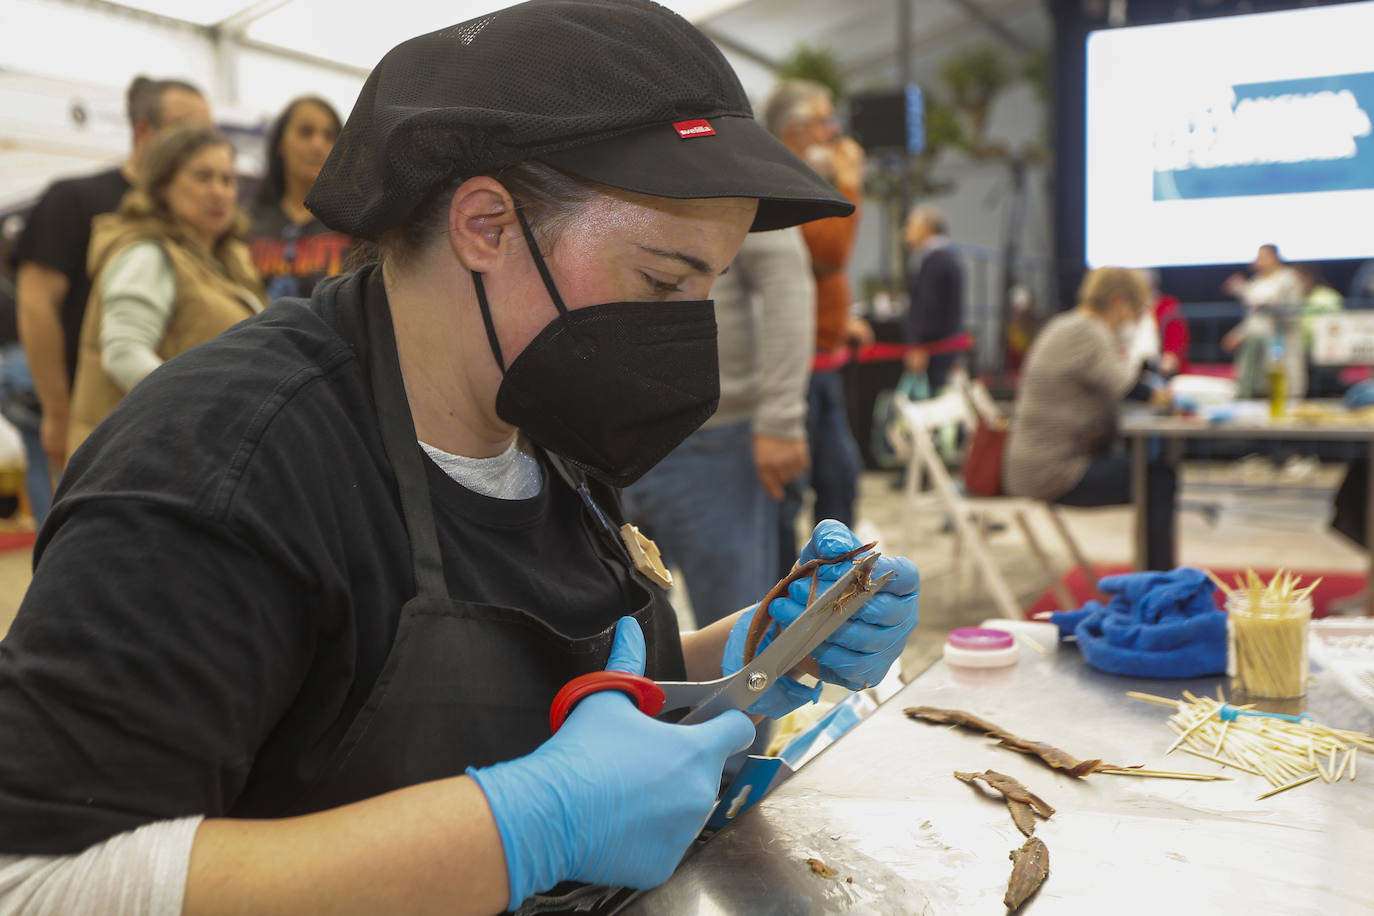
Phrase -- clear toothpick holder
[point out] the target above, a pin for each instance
(1267, 646)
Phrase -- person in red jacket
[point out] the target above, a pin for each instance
(1173, 329)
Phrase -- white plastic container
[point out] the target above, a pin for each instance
(1042, 632)
(975, 647)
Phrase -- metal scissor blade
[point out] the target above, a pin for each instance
(821, 618)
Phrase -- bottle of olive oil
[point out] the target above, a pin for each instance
(1278, 381)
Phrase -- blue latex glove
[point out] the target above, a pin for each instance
(614, 797)
(860, 652)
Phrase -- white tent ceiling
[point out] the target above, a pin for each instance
(350, 37)
(252, 56)
(64, 66)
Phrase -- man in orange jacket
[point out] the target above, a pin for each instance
(801, 114)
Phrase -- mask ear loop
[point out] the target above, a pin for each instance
(486, 320)
(539, 262)
(584, 347)
(543, 274)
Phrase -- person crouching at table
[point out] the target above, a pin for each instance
(1068, 405)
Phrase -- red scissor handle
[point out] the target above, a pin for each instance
(648, 696)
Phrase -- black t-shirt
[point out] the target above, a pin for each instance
(220, 581)
(292, 258)
(58, 235)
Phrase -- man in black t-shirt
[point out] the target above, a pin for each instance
(52, 285)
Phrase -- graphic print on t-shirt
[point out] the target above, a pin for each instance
(309, 257)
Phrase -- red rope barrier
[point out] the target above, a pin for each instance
(886, 352)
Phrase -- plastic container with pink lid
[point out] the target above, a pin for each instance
(978, 647)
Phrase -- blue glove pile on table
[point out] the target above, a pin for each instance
(1157, 624)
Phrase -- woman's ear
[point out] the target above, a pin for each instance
(481, 222)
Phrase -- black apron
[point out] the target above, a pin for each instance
(468, 684)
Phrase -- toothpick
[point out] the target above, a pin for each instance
(1032, 643)
(1188, 731)
(1151, 698)
(1162, 774)
(1321, 771)
(1234, 764)
(1344, 760)
(1284, 788)
(1221, 738)
(1226, 589)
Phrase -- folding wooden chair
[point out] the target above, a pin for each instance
(987, 411)
(911, 435)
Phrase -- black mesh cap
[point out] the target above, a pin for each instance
(621, 92)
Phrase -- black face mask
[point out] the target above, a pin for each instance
(611, 388)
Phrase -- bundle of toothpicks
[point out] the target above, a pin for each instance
(1268, 627)
(1285, 754)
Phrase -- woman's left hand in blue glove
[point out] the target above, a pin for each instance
(861, 651)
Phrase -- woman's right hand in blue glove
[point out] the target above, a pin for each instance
(614, 797)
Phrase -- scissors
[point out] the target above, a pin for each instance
(689, 702)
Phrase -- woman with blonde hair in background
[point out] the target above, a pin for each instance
(1068, 406)
(170, 271)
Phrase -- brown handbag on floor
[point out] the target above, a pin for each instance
(983, 461)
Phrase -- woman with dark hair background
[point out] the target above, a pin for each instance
(291, 248)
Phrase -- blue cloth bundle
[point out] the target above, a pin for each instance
(1157, 624)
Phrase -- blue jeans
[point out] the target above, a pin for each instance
(19, 403)
(705, 508)
(835, 466)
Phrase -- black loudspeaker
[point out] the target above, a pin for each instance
(888, 120)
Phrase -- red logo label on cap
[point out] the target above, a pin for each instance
(698, 128)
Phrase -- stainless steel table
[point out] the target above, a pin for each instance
(1139, 427)
(881, 807)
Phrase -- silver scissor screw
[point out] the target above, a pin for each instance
(757, 681)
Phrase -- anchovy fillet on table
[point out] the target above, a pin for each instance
(1052, 756)
(1030, 867)
(1021, 802)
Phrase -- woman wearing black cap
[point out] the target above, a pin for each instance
(297, 618)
